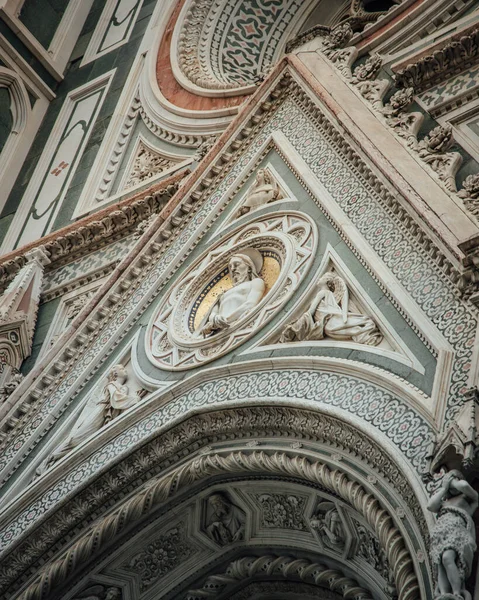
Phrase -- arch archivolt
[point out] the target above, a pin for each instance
(280, 443)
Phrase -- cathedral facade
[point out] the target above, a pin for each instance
(239, 299)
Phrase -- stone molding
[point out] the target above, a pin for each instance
(433, 149)
(457, 54)
(92, 232)
(158, 491)
(283, 567)
(240, 423)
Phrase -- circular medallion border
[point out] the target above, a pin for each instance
(288, 239)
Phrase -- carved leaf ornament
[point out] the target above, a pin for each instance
(285, 244)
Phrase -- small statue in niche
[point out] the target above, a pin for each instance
(264, 190)
(247, 291)
(328, 317)
(98, 411)
(226, 521)
(327, 521)
(453, 538)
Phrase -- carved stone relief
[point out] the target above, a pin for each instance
(162, 556)
(371, 551)
(265, 189)
(282, 511)
(106, 402)
(231, 291)
(328, 523)
(146, 164)
(225, 521)
(329, 317)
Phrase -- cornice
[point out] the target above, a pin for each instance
(96, 230)
(438, 62)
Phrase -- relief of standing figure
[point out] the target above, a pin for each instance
(329, 317)
(98, 411)
(453, 539)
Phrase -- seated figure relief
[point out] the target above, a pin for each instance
(264, 190)
(226, 521)
(98, 411)
(247, 291)
(329, 317)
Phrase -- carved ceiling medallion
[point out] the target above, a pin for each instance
(231, 291)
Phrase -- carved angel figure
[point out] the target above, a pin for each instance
(246, 293)
(329, 317)
(98, 411)
(453, 538)
(264, 190)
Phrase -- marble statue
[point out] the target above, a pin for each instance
(247, 291)
(328, 523)
(453, 539)
(99, 410)
(329, 317)
(227, 521)
(264, 190)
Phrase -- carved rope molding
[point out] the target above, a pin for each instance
(197, 432)
(433, 148)
(287, 567)
(164, 488)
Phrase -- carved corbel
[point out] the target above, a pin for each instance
(405, 124)
(433, 150)
(364, 78)
(470, 194)
(334, 48)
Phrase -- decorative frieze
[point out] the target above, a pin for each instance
(429, 70)
(82, 239)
